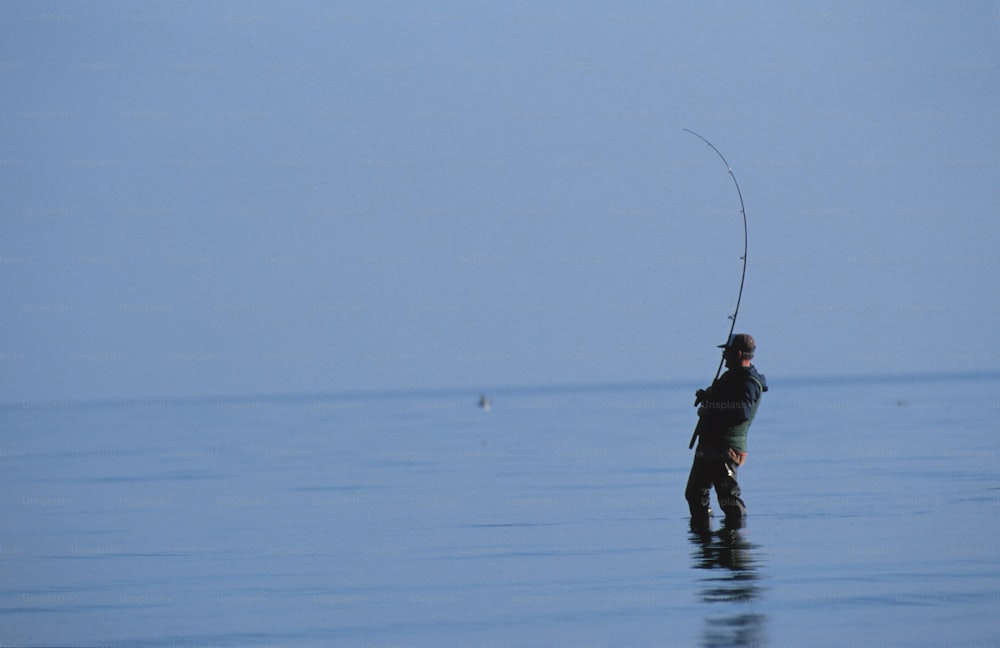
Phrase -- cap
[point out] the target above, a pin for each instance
(741, 342)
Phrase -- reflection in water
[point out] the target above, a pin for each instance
(730, 585)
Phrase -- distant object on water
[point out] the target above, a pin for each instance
(484, 403)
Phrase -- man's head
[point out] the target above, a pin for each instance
(739, 350)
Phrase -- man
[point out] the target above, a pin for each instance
(727, 409)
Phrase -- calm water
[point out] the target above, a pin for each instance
(556, 519)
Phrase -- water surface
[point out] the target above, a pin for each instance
(557, 518)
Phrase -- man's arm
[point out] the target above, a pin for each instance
(751, 394)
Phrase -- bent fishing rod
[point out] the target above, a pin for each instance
(743, 276)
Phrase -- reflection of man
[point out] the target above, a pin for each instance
(726, 549)
(727, 409)
(731, 564)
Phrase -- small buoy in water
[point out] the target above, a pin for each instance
(484, 403)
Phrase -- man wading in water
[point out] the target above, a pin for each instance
(727, 409)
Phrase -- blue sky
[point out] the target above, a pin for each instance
(245, 198)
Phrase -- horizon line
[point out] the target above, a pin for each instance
(428, 392)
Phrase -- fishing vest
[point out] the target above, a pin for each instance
(736, 436)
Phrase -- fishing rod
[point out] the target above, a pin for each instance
(743, 276)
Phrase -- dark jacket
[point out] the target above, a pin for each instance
(728, 407)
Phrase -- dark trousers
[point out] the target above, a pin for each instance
(711, 468)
